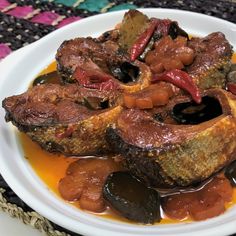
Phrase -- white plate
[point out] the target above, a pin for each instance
(16, 73)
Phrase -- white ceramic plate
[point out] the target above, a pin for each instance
(18, 70)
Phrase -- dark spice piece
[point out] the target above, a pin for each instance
(131, 198)
(175, 31)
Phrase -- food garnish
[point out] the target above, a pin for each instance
(159, 106)
(182, 80)
(141, 42)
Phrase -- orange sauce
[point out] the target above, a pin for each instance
(49, 167)
(234, 58)
(51, 67)
(52, 167)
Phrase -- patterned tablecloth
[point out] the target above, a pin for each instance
(25, 21)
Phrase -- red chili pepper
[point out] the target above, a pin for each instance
(141, 42)
(104, 86)
(232, 88)
(94, 79)
(162, 26)
(86, 76)
(182, 80)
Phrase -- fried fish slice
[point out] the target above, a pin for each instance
(167, 154)
(77, 52)
(212, 61)
(57, 118)
(100, 61)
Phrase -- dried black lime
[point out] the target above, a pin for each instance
(131, 198)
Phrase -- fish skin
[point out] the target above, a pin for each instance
(87, 137)
(212, 60)
(214, 77)
(35, 113)
(192, 159)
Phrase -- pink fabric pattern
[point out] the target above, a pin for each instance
(68, 21)
(46, 18)
(4, 4)
(4, 50)
(21, 12)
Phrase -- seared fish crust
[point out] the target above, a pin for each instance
(212, 61)
(55, 117)
(168, 154)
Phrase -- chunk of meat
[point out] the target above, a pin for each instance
(84, 181)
